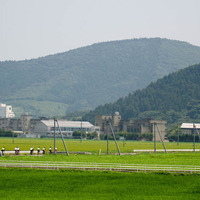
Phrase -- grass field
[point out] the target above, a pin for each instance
(93, 146)
(64, 184)
(72, 184)
(180, 158)
(187, 158)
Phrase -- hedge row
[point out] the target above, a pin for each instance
(4, 133)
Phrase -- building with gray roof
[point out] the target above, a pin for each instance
(188, 128)
(46, 127)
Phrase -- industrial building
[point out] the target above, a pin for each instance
(134, 126)
(6, 111)
(25, 124)
(46, 127)
(101, 121)
(189, 128)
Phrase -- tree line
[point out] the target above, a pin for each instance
(174, 98)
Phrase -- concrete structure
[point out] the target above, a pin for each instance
(134, 126)
(46, 127)
(101, 121)
(116, 118)
(6, 111)
(25, 124)
(144, 126)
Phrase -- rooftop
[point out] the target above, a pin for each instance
(65, 123)
(190, 125)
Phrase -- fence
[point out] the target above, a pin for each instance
(102, 166)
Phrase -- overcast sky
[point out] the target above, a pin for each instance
(35, 28)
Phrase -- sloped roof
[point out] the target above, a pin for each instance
(190, 126)
(65, 123)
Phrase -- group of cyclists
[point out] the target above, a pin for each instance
(31, 150)
(43, 150)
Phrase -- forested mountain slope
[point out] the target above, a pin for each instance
(84, 78)
(175, 98)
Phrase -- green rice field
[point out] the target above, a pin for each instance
(100, 156)
(94, 146)
(180, 158)
(65, 184)
(21, 183)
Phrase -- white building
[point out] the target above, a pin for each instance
(6, 111)
(190, 127)
(46, 127)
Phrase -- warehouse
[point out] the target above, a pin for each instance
(189, 128)
(46, 127)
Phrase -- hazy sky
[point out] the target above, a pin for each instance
(35, 28)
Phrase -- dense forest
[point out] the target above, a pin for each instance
(86, 77)
(175, 98)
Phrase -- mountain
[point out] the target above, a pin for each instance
(86, 77)
(175, 98)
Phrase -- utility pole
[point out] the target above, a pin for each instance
(124, 130)
(197, 132)
(115, 139)
(81, 131)
(193, 138)
(54, 135)
(62, 138)
(13, 137)
(161, 137)
(107, 138)
(178, 137)
(154, 128)
(123, 140)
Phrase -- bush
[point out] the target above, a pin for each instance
(4, 133)
(92, 135)
(77, 134)
(129, 136)
(147, 136)
(182, 138)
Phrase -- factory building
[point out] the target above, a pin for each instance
(46, 127)
(25, 124)
(101, 121)
(133, 126)
(144, 126)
